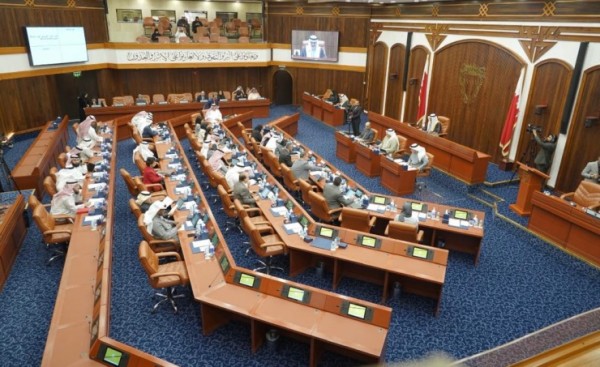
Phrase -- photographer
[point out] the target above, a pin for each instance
(543, 159)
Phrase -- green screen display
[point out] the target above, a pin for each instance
(326, 232)
(417, 206)
(247, 280)
(357, 311)
(368, 241)
(420, 252)
(224, 263)
(112, 356)
(295, 293)
(379, 200)
(460, 214)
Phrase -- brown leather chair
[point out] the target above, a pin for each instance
(142, 39)
(357, 219)
(62, 159)
(139, 161)
(156, 244)
(229, 209)
(445, 122)
(319, 207)
(49, 186)
(244, 32)
(587, 195)
(426, 171)
(404, 231)
(164, 26)
(56, 236)
(271, 161)
(52, 173)
(75, 127)
(244, 39)
(254, 214)
(223, 39)
(266, 244)
(305, 187)
(135, 185)
(149, 25)
(167, 275)
(135, 208)
(156, 189)
(256, 149)
(158, 98)
(204, 39)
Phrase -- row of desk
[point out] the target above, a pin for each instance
(216, 285)
(162, 112)
(322, 110)
(12, 232)
(467, 240)
(41, 155)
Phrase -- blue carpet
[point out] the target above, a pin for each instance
(520, 285)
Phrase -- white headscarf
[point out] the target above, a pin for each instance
(141, 120)
(419, 150)
(432, 122)
(142, 197)
(151, 213)
(144, 150)
(343, 98)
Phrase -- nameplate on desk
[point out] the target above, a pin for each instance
(292, 228)
(118, 105)
(92, 218)
(279, 211)
(199, 246)
(376, 208)
(183, 101)
(95, 106)
(140, 103)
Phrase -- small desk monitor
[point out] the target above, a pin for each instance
(112, 356)
(369, 241)
(461, 214)
(326, 232)
(303, 221)
(380, 200)
(289, 205)
(247, 280)
(265, 193)
(357, 311)
(420, 252)
(225, 265)
(418, 207)
(214, 239)
(295, 293)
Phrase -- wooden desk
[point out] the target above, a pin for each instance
(344, 147)
(12, 232)
(464, 163)
(396, 178)
(322, 110)
(288, 123)
(161, 112)
(367, 161)
(41, 155)
(567, 226)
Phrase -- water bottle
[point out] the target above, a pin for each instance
(335, 243)
(303, 232)
(94, 224)
(476, 221)
(210, 252)
(393, 206)
(198, 229)
(433, 213)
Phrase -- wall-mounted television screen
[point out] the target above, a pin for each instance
(56, 45)
(315, 45)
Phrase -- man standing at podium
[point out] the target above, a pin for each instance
(543, 159)
(590, 172)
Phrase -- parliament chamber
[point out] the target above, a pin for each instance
(480, 279)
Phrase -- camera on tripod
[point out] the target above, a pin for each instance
(6, 140)
(531, 128)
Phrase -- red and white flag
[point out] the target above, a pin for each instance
(423, 92)
(511, 118)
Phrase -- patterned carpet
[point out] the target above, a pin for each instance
(520, 285)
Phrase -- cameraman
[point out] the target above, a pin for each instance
(543, 159)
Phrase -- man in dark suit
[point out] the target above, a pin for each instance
(334, 196)
(367, 134)
(242, 192)
(354, 114)
(543, 159)
(302, 167)
(285, 154)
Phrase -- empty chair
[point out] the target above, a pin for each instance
(56, 236)
(164, 26)
(289, 181)
(254, 214)
(222, 39)
(49, 186)
(227, 95)
(319, 207)
(404, 231)
(214, 38)
(163, 276)
(357, 219)
(244, 32)
(305, 187)
(265, 244)
(142, 39)
(587, 195)
(229, 209)
(445, 122)
(158, 98)
(256, 27)
(148, 24)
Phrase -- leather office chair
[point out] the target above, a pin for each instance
(265, 244)
(139, 161)
(156, 244)
(357, 219)
(156, 189)
(204, 39)
(149, 25)
(223, 39)
(256, 149)
(426, 171)
(167, 276)
(142, 39)
(145, 97)
(49, 186)
(185, 39)
(135, 208)
(135, 185)
(255, 215)
(402, 149)
(244, 39)
(52, 173)
(445, 122)
(319, 207)
(256, 27)
(56, 236)
(587, 195)
(289, 181)
(244, 32)
(271, 162)
(305, 187)
(227, 95)
(164, 26)
(404, 231)
(229, 209)
(62, 160)
(75, 127)
(158, 98)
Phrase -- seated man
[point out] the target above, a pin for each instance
(302, 167)
(257, 133)
(367, 134)
(239, 93)
(405, 214)
(158, 225)
(390, 143)
(253, 94)
(144, 200)
(217, 161)
(141, 120)
(211, 101)
(233, 173)
(201, 97)
(242, 192)
(334, 196)
(150, 131)
(68, 174)
(87, 129)
(214, 115)
(285, 154)
(418, 157)
(64, 201)
(430, 124)
(591, 170)
(151, 176)
(144, 151)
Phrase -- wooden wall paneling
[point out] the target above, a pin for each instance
(394, 93)
(474, 90)
(549, 86)
(418, 58)
(377, 76)
(582, 143)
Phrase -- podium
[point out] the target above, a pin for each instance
(532, 180)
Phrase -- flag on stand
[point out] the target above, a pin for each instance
(423, 93)
(511, 119)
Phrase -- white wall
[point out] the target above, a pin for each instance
(128, 32)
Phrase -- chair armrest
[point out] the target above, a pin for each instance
(252, 210)
(567, 196)
(270, 244)
(170, 273)
(263, 223)
(594, 207)
(158, 243)
(387, 228)
(64, 217)
(420, 235)
(333, 211)
(372, 221)
(55, 231)
(169, 253)
(268, 229)
(441, 135)
(155, 185)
